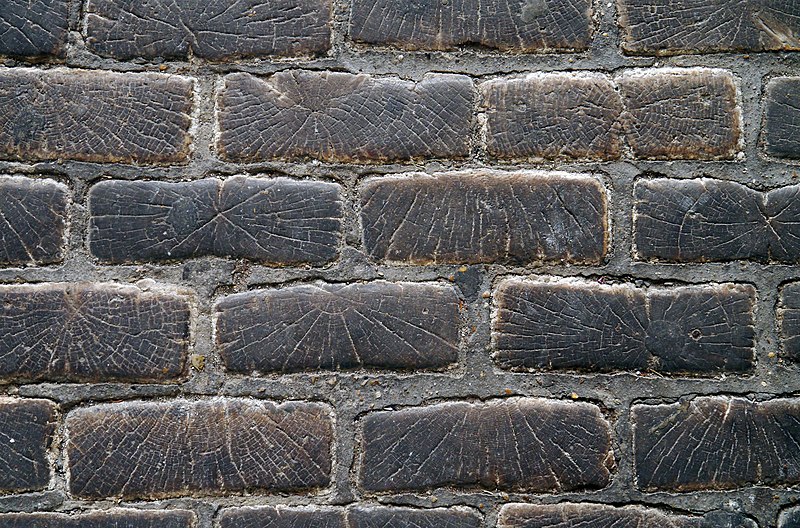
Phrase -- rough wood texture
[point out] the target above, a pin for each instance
(782, 120)
(681, 113)
(33, 221)
(708, 443)
(600, 516)
(215, 29)
(464, 445)
(704, 220)
(277, 220)
(33, 28)
(91, 333)
(343, 117)
(26, 432)
(573, 324)
(553, 116)
(671, 27)
(115, 518)
(376, 325)
(532, 25)
(162, 449)
(94, 116)
(484, 216)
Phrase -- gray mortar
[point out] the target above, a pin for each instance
(354, 393)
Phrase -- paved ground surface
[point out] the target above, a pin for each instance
(486, 264)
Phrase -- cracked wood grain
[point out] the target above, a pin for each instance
(381, 517)
(571, 515)
(33, 220)
(276, 221)
(671, 27)
(282, 517)
(335, 116)
(681, 113)
(337, 326)
(527, 26)
(358, 517)
(698, 220)
(485, 216)
(553, 116)
(26, 432)
(34, 28)
(114, 518)
(217, 446)
(94, 116)
(705, 220)
(782, 122)
(569, 325)
(573, 324)
(716, 442)
(211, 29)
(789, 320)
(86, 332)
(522, 444)
(702, 328)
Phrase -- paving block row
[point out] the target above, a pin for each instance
(146, 118)
(100, 332)
(216, 446)
(462, 217)
(511, 516)
(280, 221)
(217, 30)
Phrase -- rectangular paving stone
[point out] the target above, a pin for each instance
(277, 220)
(26, 432)
(282, 517)
(216, 29)
(115, 518)
(557, 324)
(33, 220)
(698, 220)
(381, 517)
(94, 116)
(782, 122)
(34, 28)
(216, 446)
(533, 25)
(781, 211)
(336, 326)
(335, 116)
(553, 116)
(702, 328)
(87, 332)
(669, 27)
(703, 220)
(681, 113)
(716, 442)
(789, 320)
(571, 515)
(524, 444)
(358, 517)
(481, 216)
(569, 324)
